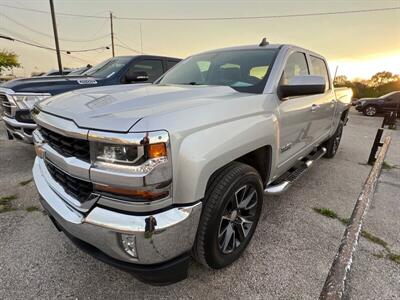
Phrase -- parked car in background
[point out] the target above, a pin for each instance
(18, 96)
(143, 177)
(386, 103)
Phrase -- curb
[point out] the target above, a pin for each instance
(335, 284)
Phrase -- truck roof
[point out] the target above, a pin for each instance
(269, 46)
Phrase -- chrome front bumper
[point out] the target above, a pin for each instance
(172, 234)
(18, 130)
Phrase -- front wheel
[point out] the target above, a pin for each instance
(370, 111)
(232, 208)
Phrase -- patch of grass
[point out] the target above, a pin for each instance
(344, 221)
(387, 166)
(25, 182)
(32, 209)
(7, 199)
(374, 239)
(5, 203)
(387, 253)
(326, 212)
(5, 208)
(394, 257)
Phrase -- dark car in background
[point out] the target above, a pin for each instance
(18, 96)
(386, 103)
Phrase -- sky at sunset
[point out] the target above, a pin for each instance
(360, 44)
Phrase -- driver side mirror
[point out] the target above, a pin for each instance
(138, 76)
(302, 85)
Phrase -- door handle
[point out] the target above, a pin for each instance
(314, 107)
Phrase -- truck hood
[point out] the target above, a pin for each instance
(118, 108)
(51, 84)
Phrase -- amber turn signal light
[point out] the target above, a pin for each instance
(141, 194)
(39, 151)
(156, 150)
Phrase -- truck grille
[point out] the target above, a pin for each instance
(77, 188)
(67, 146)
(6, 105)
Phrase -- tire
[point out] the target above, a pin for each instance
(332, 144)
(225, 229)
(370, 110)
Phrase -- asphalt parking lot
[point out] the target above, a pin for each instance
(289, 257)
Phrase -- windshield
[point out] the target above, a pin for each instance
(78, 71)
(242, 70)
(108, 68)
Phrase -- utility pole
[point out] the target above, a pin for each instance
(53, 17)
(112, 34)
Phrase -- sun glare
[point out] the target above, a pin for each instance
(365, 68)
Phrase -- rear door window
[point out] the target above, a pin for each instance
(318, 67)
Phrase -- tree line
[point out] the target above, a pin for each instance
(379, 84)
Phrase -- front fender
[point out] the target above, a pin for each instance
(205, 151)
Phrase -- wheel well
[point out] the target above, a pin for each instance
(259, 159)
(344, 115)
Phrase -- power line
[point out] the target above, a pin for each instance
(47, 12)
(127, 48)
(216, 18)
(37, 45)
(125, 45)
(261, 17)
(49, 35)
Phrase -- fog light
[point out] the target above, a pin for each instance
(129, 244)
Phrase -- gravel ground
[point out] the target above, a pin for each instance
(289, 257)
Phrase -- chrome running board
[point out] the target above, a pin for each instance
(282, 183)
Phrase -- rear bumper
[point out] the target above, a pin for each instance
(19, 130)
(160, 238)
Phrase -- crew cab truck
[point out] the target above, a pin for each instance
(143, 178)
(18, 96)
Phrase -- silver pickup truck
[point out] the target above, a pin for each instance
(143, 177)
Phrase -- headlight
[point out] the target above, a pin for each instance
(132, 157)
(27, 101)
(133, 165)
(117, 154)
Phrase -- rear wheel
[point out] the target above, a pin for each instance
(370, 111)
(232, 208)
(332, 144)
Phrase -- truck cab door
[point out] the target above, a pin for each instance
(324, 105)
(295, 116)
